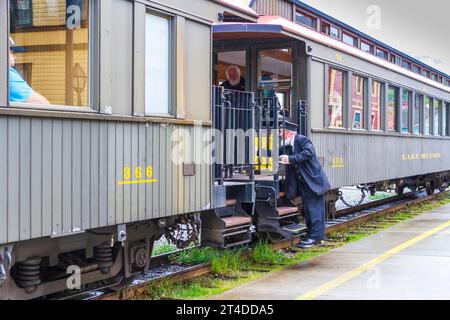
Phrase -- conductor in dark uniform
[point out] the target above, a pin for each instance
(305, 178)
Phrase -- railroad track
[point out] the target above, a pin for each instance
(346, 218)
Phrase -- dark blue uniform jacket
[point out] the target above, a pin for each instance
(304, 165)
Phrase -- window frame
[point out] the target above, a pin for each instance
(345, 99)
(409, 113)
(430, 118)
(421, 99)
(368, 43)
(310, 15)
(172, 110)
(92, 85)
(378, 48)
(396, 109)
(382, 110)
(361, 91)
(352, 35)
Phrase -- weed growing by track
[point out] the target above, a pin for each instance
(234, 268)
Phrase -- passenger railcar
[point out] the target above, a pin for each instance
(87, 181)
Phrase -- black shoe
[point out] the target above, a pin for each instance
(308, 243)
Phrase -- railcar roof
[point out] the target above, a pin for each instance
(302, 5)
(276, 24)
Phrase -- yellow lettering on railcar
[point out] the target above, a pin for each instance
(337, 162)
(420, 156)
(138, 177)
(339, 57)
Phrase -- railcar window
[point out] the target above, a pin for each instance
(418, 102)
(275, 76)
(367, 47)
(445, 114)
(306, 19)
(349, 39)
(406, 103)
(407, 65)
(336, 88)
(227, 75)
(392, 109)
(157, 65)
(436, 118)
(426, 126)
(377, 95)
(334, 32)
(382, 54)
(417, 69)
(396, 59)
(426, 73)
(49, 52)
(358, 102)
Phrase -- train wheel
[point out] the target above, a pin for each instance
(399, 189)
(429, 188)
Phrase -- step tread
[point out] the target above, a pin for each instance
(295, 228)
(284, 211)
(236, 221)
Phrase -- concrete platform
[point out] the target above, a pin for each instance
(408, 261)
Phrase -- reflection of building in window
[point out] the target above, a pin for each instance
(358, 99)
(55, 36)
(376, 105)
(418, 100)
(426, 127)
(392, 108)
(406, 100)
(275, 76)
(335, 99)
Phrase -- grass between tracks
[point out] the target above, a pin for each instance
(232, 268)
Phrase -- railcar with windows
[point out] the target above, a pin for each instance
(379, 118)
(91, 178)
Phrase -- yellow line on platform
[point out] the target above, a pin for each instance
(313, 294)
(124, 183)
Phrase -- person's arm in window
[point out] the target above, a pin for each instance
(36, 98)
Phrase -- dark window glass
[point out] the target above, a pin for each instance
(367, 47)
(306, 20)
(417, 107)
(427, 109)
(358, 102)
(21, 13)
(351, 40)
(382, 54)
(434, 77)
(334, 32)
(426, 73)
(336, 99)
(417, 69)
(392, 108)
(396, 59)
(445, 113)
(377, 95)
(436, 117)
(406, 102)
(407, 65)
(325, 28)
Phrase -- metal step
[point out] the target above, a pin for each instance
(294, 228)
(284, 211)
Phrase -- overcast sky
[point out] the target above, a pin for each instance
(418, 28)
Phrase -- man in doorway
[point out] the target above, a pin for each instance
(306, 178)
(19, 90)
(234, 81)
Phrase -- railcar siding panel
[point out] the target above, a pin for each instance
(76, 176)
(120, 212)
(47, 180)
(95, 173)
(373, 158)
(56, 173)
(66, 177)
(86, 175)
(103, 171)
(3, 180)
(111, 173)
(60, 176)
(36, 178)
